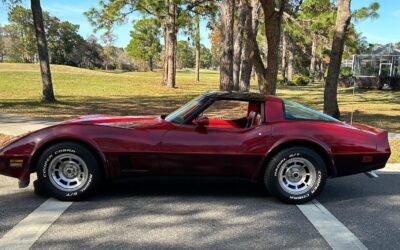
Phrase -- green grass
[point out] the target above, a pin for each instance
(81, 91)
(395, 148)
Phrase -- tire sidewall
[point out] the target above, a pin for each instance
(70, 148)
(272, 175)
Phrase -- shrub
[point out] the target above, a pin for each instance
(301, 80)
(346, 72)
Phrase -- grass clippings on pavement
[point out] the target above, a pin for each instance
(4, 139)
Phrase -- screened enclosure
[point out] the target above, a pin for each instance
(376, 65)
(380, 69)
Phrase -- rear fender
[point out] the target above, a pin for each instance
(318, 146)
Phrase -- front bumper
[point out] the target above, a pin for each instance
(16, 167)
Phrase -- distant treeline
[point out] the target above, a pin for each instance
(67, 47)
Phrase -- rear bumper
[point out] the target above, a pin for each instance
(354, 164)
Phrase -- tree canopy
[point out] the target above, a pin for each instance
(145, 43)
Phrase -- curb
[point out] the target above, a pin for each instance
(393, 136)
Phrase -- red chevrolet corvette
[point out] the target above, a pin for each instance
(290, 148)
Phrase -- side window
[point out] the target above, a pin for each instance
(227, 110)
(296, 111)
(233, 114)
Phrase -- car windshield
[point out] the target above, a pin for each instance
(296, 111)
(181, 114)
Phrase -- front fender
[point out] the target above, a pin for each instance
(62, 134)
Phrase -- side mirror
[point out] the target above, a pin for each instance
(202, 121)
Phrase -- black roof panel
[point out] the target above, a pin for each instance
(234, 95)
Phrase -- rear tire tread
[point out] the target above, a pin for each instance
(271, 177)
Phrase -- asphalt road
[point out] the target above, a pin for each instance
(208, 214)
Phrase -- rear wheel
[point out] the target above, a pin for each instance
(295, 175)
(69, 171)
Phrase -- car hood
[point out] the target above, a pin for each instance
(115, 121)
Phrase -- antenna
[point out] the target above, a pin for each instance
(354, 90)
(352, 101)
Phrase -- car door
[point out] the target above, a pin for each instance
(202, 150)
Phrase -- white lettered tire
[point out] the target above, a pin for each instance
(68, 171)
(295, 175)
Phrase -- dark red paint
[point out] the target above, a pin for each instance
(152, 146)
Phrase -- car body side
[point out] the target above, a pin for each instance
(135, 146)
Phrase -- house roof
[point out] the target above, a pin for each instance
(387, 49)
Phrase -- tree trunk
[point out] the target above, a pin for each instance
(151, 64)
(198, 46)
(313, 57)
(284, 51)
(226, 62)
(237, 48)
(272, 20)
(171, 44)
(267, 77)
(290, 65)
(250, 30)
(321, 70)
(47, 93)
(165, 61)
(330, 94)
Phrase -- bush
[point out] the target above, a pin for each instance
(298, 80)
(301, 80)
(346, 72)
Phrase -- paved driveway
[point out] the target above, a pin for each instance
(208, 214)
(17, 125)
(173, 213)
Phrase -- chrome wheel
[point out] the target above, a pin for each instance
(68, 172)
(297, 176)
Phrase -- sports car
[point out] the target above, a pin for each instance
(288, 147)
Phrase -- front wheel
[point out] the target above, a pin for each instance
(295, 175)
(68, 171)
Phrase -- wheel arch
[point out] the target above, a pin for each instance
(323, 151)
(92, 148)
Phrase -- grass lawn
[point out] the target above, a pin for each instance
(395, 147)
(81, 91)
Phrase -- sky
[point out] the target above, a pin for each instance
(385, 29)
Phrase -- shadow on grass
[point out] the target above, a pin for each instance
(379, 96)
(68, 106)
(72, 106)
(389, 122)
